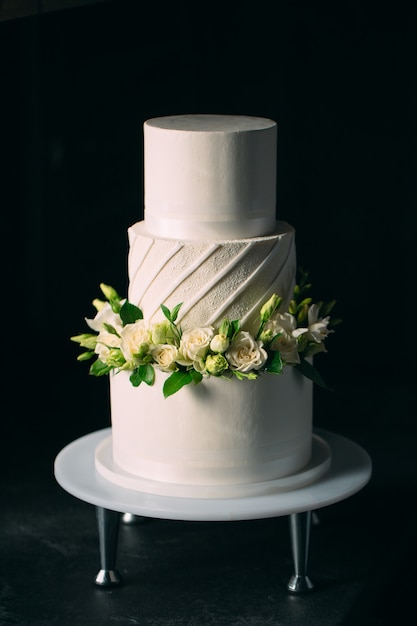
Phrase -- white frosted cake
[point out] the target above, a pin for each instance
(210, 249)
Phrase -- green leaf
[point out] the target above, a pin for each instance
(98, 368)
(179, 379)
(276, 365)
(327, 308)
(166, 312)
(175, 311)
(171, 315)
(129, 313)
(309, 371)
(143, 374)
(135, 377)
(197, 377)
(147, 373)
(335, 321)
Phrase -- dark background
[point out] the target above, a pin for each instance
(76, 85)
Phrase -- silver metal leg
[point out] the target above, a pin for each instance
(315, 519)
(108, 528)
(300, 535)
(129, 519)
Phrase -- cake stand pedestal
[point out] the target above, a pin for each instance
(75, 471)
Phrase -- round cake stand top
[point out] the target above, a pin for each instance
(349, 472)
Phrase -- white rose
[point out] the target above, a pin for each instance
(284, 326)
(195, 343)
(283, 322)
(287, 347)
(164, 356)
(245, 353)
(106, 315)
(133, 337)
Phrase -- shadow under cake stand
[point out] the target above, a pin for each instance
(349, 471)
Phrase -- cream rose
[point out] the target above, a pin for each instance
(195, 343)
(164, 356)
(135, 340)
(245, 353)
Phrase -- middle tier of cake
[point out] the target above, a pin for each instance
(213, 279)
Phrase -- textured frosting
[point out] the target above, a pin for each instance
(214, 279)
(210, 176)
(222, 432)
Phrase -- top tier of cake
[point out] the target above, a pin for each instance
(210, 176)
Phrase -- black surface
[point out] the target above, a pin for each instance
(77, 85)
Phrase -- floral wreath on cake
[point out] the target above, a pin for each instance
(124, 340)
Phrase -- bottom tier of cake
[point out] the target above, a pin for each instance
(219, 432)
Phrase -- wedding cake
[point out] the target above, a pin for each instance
(206, 355)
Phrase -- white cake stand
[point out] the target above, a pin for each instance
(350, 470)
